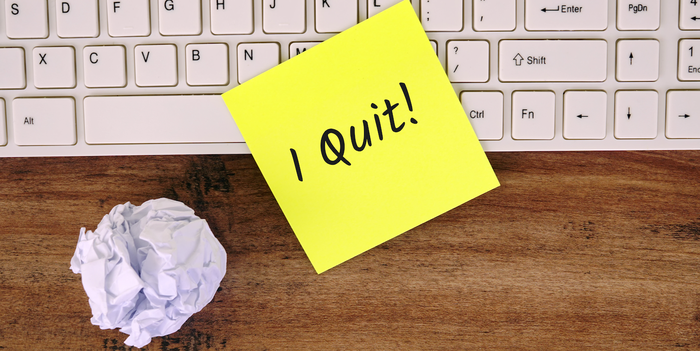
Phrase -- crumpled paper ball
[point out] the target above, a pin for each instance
(146, 269)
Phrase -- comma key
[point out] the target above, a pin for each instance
(494, 15)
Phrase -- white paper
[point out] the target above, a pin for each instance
(148, 268)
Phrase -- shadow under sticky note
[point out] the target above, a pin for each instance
(361, 137)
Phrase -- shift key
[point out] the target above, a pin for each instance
(552, 60)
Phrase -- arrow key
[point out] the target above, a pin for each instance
(637, 60)
(683, 114)
(585, 114)
(689, 15)
(636, 114)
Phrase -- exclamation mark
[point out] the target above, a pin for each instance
(408, 101)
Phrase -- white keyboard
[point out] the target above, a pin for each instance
(139, 77)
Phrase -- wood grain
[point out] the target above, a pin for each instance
(591, 250)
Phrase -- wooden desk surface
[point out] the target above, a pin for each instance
(597, 250)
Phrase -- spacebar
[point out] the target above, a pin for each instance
(158, 119)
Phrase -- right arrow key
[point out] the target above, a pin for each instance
(682, 114)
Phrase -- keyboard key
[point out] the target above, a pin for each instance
(26, 19)
(494, 15)
(104, 66)
(690, 15)
(77, 19)
(231, 16)
(689, 59)
(54, 67)
(533, 115)
(552, 60)
(468, 60)
(155, 65)
(128, 18)
(284, 16)
(485, 111)
(638, 14)
(637, 60)
(683, 114)
(207, 64)
(180, 17)
(297, 48)
(376, 6)
(585, 114)
(571, 15)
(3, 132)
(256, 58)
(12, 68)
(442, 16)
(158, 119)
(636, 114)
(334, 16)
(44, 121)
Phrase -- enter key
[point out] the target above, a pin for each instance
(552, 60)
(566, 14)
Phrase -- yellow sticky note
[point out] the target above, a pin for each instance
(361, 137)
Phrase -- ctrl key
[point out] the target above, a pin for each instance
(44, 121)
